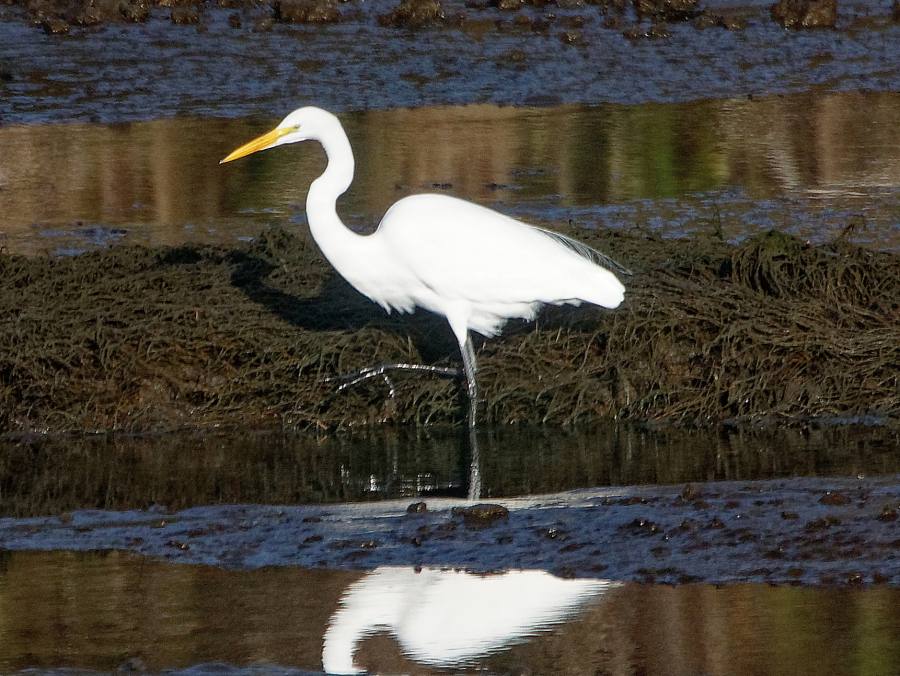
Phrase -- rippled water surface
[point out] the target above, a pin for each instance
(55, 475)
(815, 165)
(99, 611)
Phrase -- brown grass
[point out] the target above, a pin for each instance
(141, 339)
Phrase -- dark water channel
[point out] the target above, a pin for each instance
(812, 164)
(48, 476)
(100, 611)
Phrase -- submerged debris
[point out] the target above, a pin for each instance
(139, 339)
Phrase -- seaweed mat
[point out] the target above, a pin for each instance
(140, 339)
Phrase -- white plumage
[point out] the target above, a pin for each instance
(457, 255)
(475, 266)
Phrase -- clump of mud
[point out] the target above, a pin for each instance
(667, 10)
(140, 339)
(306, 11)
(805, 13)
(413, 14)
(55, 16)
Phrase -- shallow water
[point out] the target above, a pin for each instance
(55, 475)
(102, 610)
(809, 164)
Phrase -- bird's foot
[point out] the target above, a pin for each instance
(350, 379)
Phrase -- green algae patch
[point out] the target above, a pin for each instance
(150, 339)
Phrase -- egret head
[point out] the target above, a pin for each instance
(304, 124)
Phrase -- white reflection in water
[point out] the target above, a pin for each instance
(447, 618)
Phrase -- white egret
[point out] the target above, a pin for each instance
(476, 267)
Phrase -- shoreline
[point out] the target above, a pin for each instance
(817, 531)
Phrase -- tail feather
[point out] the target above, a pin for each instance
(586, 252)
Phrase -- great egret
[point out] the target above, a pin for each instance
(476, 267)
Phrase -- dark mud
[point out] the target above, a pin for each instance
(810, 531)
(230, 61)
(139, 339)
(802, 14)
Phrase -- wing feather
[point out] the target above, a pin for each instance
(585, 251)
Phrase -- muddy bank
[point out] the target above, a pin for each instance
(645, 19)
(813, 531)
(140, 339)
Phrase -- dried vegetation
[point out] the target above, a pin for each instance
(141, 339)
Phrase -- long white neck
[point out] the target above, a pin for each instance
(341, 246)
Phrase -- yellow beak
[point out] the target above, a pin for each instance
(267, 140)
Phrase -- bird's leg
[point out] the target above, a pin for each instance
(470, 367)
(474, 491)
(351, 379)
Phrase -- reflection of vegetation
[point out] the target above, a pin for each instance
(741, 629)
(50, 476)
(95, 611)
(867, 652)
(165, 172)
